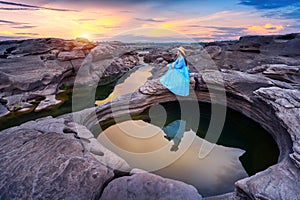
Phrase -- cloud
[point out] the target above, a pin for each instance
(289, 14)
(127, 2)
(99, 35)
(33, 6)
(86, 19)
(294, 26)
(269, 4)
(24, 27)
(149, 19)
(214, 33)
(280, 9)
(7, 22)
(265, 29)
(27, 34)
(2, 8)
(220, 28)
(143, 38)
(125, 11)
(193, 26)
(2, 38)
(228, 29)
(11, 22)
(198, 37)
(214, 36)
(113, 27)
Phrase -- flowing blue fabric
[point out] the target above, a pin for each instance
(177, 80)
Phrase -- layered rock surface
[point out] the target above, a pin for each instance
(34, 71)
(58, 159)
(260, 76)
(39, 161)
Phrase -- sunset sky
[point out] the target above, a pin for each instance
(148, 20)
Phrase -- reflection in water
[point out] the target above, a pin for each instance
(174, 131)
(215, 174)
(130, 84)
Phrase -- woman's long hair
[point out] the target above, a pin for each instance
(185, 60)
(186, 63)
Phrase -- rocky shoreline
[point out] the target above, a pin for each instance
(60, 157)
(33, 72)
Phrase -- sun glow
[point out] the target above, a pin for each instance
(85, 35)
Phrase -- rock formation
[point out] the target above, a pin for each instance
(58, 159)
(268, 93)
(39, 161)
(33, 71)
(260, 75)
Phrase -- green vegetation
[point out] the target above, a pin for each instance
(64, 87)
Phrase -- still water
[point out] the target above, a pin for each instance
(128, 83)
(172, 149)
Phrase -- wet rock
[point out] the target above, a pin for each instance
(3, 110)
(148, 186)
(17, 102)
(46, 103)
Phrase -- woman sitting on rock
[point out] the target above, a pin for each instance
(177, 77)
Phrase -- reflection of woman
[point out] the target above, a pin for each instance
(177, 77)
(174, 131)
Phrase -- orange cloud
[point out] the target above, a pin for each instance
(50, 23)
(264, 29)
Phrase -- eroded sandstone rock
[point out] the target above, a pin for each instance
(148, 186)
(39, 161)
(59, 159)
(39, 66)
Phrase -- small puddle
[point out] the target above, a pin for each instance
(128, 83)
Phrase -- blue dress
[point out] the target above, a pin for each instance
(177, 80)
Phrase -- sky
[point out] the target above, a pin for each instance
(148, 20)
